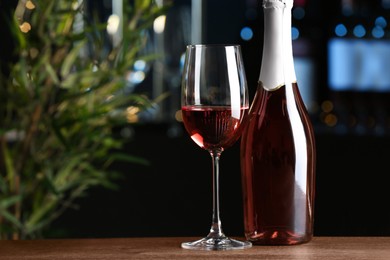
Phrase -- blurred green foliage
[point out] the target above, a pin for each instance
(58, 109)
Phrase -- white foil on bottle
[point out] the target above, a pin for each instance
(277, 68)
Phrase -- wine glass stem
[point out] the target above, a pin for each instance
(216, 228)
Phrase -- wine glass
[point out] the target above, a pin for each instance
(214, 103)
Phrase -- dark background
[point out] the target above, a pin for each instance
(172, 196)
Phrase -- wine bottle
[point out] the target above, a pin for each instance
(277, 150)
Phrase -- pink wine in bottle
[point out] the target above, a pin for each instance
(278, 154)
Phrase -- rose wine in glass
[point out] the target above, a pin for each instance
(212, 127)
(214, 106)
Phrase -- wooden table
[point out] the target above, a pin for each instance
(329, 248)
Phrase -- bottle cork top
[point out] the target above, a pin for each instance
(278, 3)
(277, 67)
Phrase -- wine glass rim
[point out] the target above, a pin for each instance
(213, 45)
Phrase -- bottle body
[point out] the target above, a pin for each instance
(278, 167)
(277, 153)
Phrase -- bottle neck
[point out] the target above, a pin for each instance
(277, 68)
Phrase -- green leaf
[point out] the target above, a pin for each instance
(39, 213)
(3, 185)
(59, 135)
(71, 58)
(52, 73)
(21, 72)
(11, 218)
(65, 174)
(142, 4)
(9, 201)
(128, 158)
(9, 166)
(83, 82)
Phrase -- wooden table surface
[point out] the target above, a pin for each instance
(319, 248)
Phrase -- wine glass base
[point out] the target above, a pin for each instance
(210, 243)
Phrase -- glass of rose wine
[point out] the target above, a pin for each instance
(214, 103)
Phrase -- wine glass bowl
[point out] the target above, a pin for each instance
(214, 105)
(212, 127)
